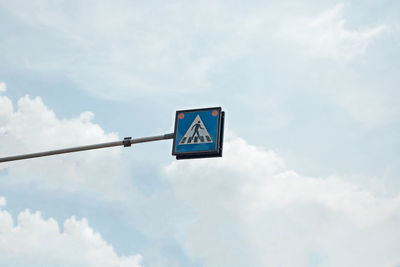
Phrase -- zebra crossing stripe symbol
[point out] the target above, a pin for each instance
(196, 134)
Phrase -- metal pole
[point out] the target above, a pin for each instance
(126, 142)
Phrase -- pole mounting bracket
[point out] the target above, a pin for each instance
(127, 141)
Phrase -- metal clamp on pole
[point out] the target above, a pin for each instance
(127, 141)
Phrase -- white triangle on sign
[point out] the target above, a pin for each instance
(196, 134)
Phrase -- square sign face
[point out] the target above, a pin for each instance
(198, 133)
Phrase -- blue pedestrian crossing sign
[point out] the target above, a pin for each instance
(198, 133)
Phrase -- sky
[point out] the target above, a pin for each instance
(311, 164)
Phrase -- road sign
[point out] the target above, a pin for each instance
(198, 133)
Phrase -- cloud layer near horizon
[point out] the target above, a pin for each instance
(35, 241)
(249, 206)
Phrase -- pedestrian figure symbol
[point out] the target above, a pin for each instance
(196, 129)
(196, 134)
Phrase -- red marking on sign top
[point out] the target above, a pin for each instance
(181, 116)
(215, 113)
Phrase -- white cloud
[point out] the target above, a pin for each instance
(3, 87)
(33, 127)
(35, 241)
(3, 201)
(250, 210)
(327, 35)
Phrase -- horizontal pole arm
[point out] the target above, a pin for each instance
(88, 147)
